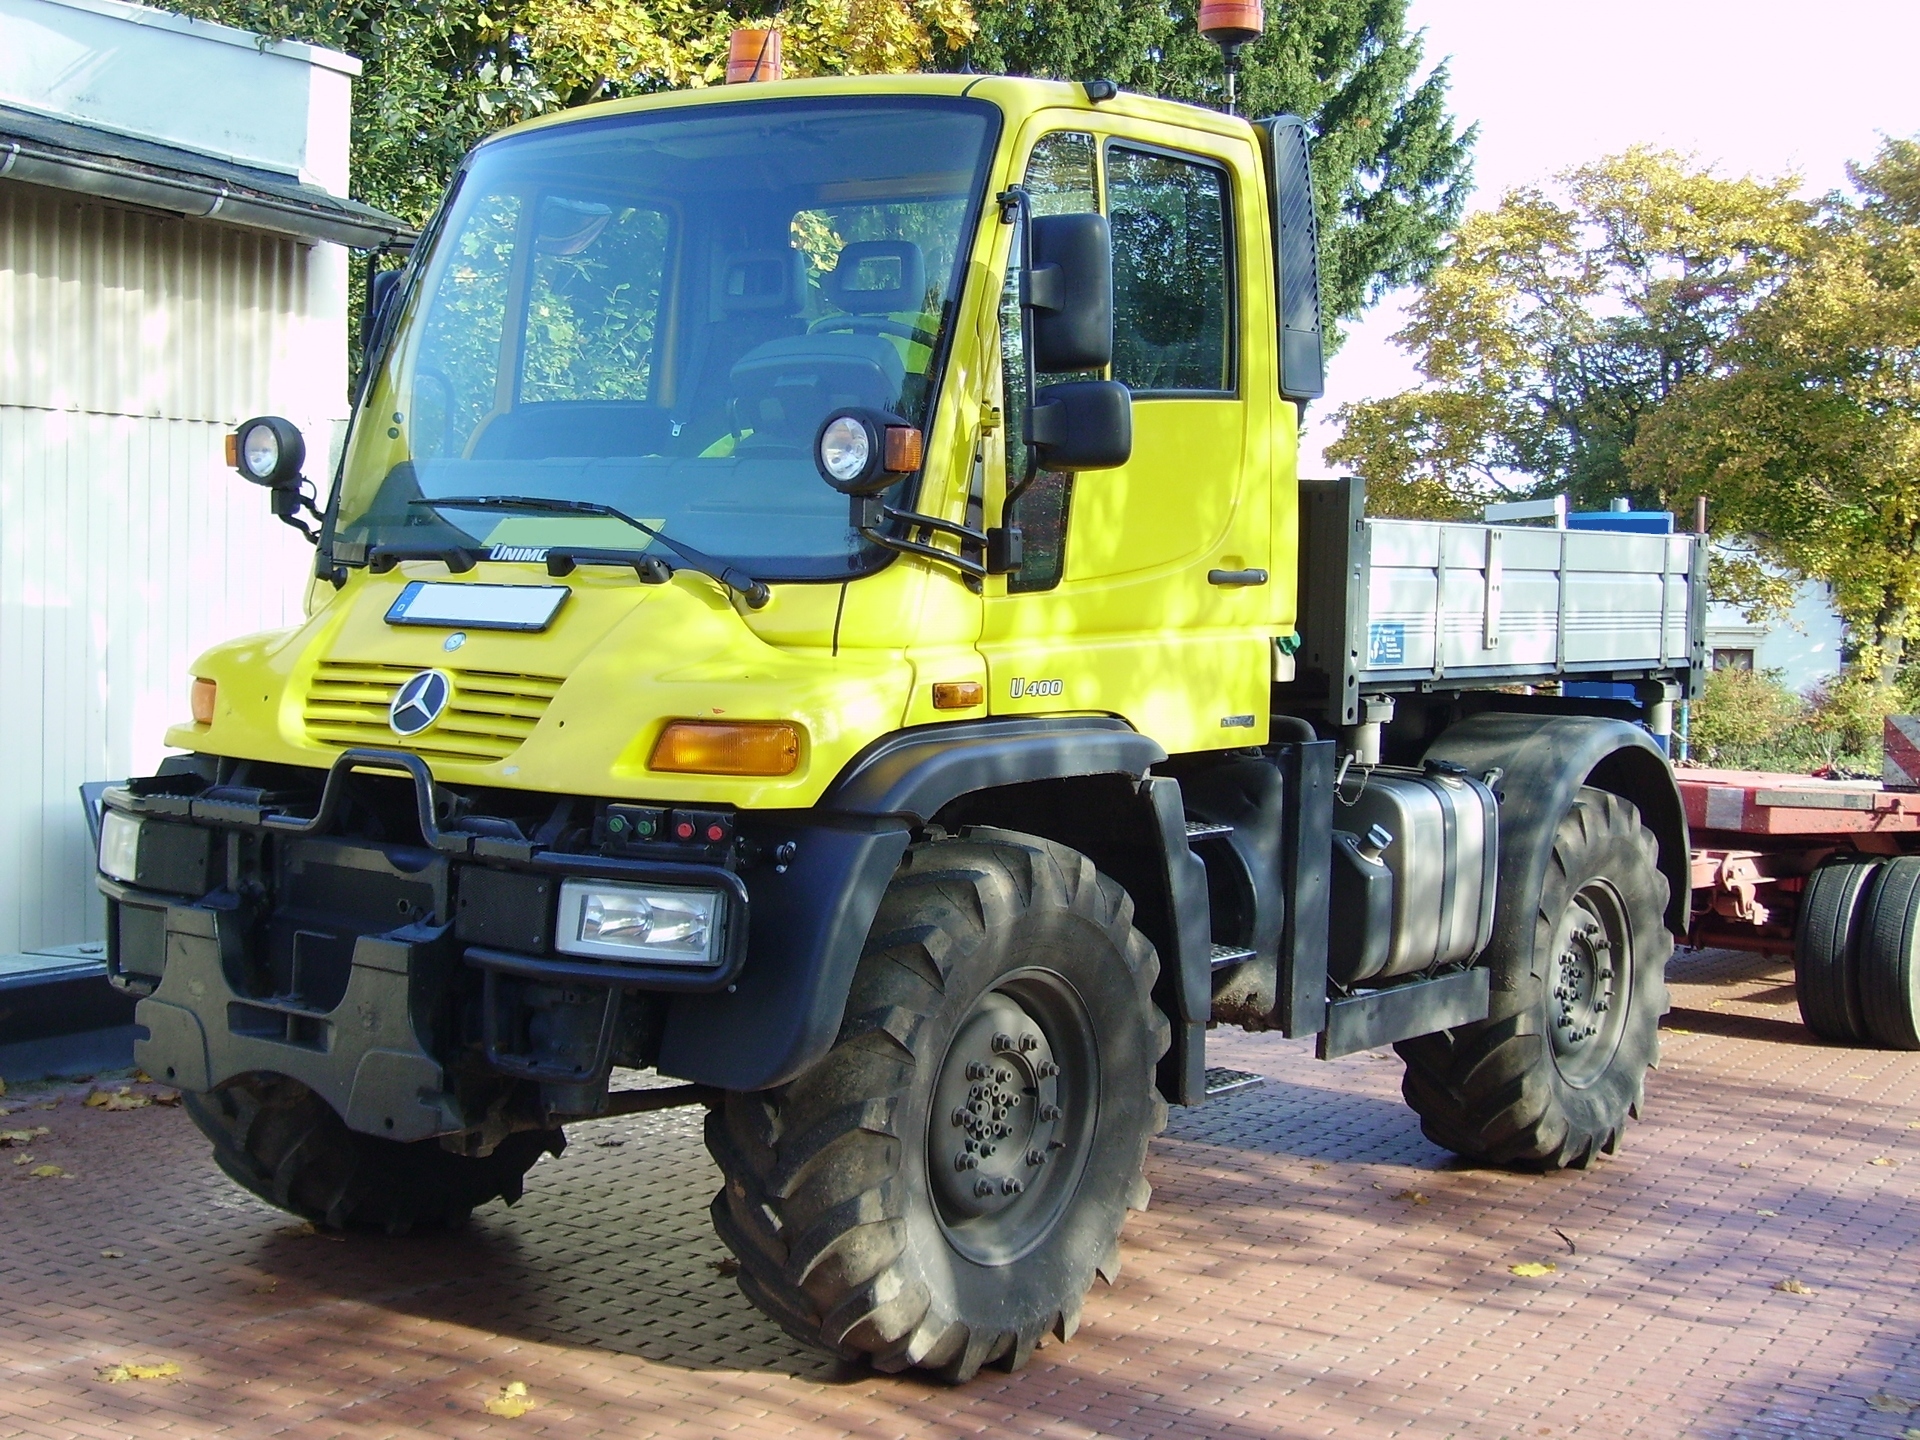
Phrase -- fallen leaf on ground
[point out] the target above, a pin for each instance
(726, 1266)
(140, 1077)
(1892, 1404)
(21, 1137)
(116, 1374)
(48, 1172)
(1676, 1030)
(513, 1401)
(1317, 1165)
(305, 1231)
(1881, 1160)
(1768, 1213)
(1746, 1164)
(23, 1159)
(266, 1287)
(1792, 1287)
(1412, 1197)
(1910, 1434)
(1533, 1268)
(609, 1143)
(121, 1099)
(113, 1254)
(167, 1097)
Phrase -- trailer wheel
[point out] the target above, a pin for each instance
(277, 1138)
(1550, 1078)
(1889, 960)
(1826, 948)
(940, 1189)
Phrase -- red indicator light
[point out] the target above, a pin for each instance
(716, 833)
(684, 830)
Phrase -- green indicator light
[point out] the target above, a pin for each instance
(616, 823)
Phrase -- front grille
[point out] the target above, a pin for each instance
(488, 717)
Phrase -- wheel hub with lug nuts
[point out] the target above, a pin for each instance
(1591, 979)
(997, 1112)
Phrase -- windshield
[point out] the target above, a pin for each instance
(655, 312)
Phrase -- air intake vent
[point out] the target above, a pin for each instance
(488, 717)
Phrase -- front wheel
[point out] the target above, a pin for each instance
(280, 1140)
(940, 1190)
(1550, 1077)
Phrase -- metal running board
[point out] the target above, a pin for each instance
(1225, 955)
(1205, 830)
(1223, 1082)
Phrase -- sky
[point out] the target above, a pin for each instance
(1759, 87)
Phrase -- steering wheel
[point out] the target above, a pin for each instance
(874, 325)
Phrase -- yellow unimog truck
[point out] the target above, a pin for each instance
(817, 604)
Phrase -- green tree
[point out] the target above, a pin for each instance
(1806, 435)
(1559, 322)
(1391, 167)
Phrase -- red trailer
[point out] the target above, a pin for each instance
(1827, 871)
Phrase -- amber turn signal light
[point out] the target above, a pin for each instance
(200, 698)
(727, 747)
(959, 695)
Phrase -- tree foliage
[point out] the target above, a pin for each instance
(1806, 435)
(1392, 169)
(1560, 321)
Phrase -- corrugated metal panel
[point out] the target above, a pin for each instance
(118, 312)
(128, 344)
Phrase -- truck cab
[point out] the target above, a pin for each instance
(813, 605)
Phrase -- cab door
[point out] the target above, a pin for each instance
(1145, 590)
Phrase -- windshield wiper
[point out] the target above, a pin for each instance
(753, 591)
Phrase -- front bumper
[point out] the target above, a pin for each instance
(405, 983)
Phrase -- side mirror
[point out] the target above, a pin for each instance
(1069, 287)
(1083, 425)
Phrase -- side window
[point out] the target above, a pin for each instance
(1061, 179)
(1173, 305)
(593, 310)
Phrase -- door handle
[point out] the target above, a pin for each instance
(1236, 577)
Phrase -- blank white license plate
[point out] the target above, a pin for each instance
(478, 607)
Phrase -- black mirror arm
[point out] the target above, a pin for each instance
(869, 512)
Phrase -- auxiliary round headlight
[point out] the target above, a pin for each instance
(862, 452)
(846, 450)
(269, 451)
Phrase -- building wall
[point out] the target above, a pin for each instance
(1804, 646)
(130, 345)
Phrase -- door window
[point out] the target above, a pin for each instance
(1173, 311)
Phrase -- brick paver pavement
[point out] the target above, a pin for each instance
(1310, 1266)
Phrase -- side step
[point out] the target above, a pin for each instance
(1360, 1022)
(1224, 1082)
(1205, 830)
(1225, 955)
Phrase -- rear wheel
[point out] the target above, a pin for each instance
(1889, 961)
(280, 1140)
(1550, 1078)
(1826, 945)
(940, 1190)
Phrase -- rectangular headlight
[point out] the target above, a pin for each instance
(119, 846)
(660, 924)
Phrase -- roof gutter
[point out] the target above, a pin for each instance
(361, 228)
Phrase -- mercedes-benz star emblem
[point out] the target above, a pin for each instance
(421, 701)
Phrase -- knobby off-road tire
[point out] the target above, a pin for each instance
(941, 1188)
(1550, 1077)
(277, 1138)
(1826, 948)
(1889, 959)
